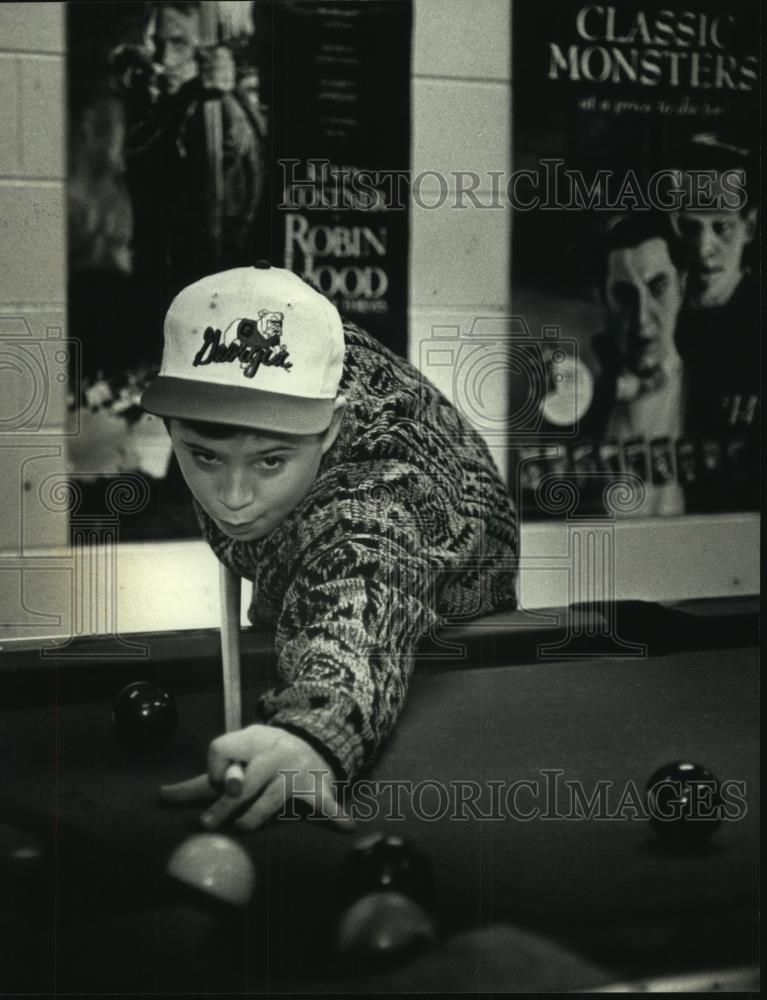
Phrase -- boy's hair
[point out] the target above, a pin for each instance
(224, 432)
(217, 432)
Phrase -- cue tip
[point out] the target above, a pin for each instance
(234, 779)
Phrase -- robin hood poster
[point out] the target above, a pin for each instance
(207, 136)
(636, 137)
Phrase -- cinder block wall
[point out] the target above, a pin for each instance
(32, 275)
(459, 253)
(33, 353)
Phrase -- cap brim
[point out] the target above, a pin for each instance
(236, 406)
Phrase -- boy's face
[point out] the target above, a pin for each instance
(249, 483)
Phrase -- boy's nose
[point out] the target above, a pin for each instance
(236, 492)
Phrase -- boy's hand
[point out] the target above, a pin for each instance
(263, 751)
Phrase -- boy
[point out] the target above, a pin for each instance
(334, 476)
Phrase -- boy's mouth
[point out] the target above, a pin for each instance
(241, 528)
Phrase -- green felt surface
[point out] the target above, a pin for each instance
(598, 891)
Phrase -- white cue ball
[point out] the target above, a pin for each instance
(217, 865)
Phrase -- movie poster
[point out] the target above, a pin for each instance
(342, 154)
(208, 136)
(636, 137)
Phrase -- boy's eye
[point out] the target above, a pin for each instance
(271, 462)
(204, 458)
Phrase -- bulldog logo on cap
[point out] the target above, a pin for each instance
(268, 327)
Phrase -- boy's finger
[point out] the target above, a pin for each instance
(220, 811)
(266, 806)
(219, 763)
(257, 778)
(194, 790)
(241, 745)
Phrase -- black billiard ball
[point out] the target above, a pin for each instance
(684, 803)
(382, 862)
(145, 716)
(383, 927)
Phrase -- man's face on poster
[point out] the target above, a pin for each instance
(643, 293)
(714, 242)
(176, 42)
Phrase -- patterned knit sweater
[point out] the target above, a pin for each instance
(407, 523)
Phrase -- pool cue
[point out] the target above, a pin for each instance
(229, 593)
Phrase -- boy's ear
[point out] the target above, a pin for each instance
(335, 424)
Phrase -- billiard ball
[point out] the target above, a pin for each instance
(684, 802)
(215, 864)
(145, 716)
(382, 927)
(382, 862)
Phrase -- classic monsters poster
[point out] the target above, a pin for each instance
(636, 134)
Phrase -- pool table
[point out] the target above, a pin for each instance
(506, 716)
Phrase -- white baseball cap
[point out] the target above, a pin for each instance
(254, 347)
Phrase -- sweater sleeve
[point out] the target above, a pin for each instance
(345, 644)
